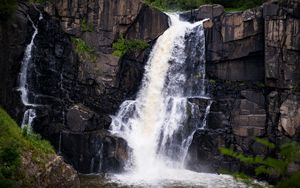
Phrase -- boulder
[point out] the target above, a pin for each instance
(94, 151)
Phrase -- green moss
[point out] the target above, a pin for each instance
(86, 27)
(85, 52)
(123, 46)
(13, 144)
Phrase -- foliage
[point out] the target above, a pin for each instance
(13, 144)
(123, 46)
(231, 5)
(7, 7)
(85, 52)
(288, 154)
(86, 27)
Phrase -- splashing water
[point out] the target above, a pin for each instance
(159, 125)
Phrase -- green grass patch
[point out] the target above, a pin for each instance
(123, 46)
(85, 52)
(13, 144)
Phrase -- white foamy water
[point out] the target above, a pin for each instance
(157, 124)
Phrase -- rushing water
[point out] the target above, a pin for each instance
(30, 113)
(160, 123)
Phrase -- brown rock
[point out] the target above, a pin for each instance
(54, 173)
(289, 117)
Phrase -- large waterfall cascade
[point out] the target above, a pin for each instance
(24, 87)
(160, 123)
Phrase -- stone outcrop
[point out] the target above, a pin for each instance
(282, 44)
(55, 173)
(234, 43)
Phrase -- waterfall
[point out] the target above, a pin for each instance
(30, 113)
(156, 125)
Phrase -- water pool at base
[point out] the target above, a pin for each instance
(169, 179)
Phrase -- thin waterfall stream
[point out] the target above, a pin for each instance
(24, 87)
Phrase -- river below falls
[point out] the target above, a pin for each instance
(171, 179)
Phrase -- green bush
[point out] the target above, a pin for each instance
(85, 52)
(123, 46)
(289, 153)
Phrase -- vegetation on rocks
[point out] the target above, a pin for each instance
(279, 168)
(123, 46)
(193, 4)
(14, 145)
(84, 51)
(86, 27)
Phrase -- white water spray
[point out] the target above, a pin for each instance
(155, 124)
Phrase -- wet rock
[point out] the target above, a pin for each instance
(94, 152)
(204, 155)
(80, 119)
(15, 34)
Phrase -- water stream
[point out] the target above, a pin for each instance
(24, 87)
(158, 124)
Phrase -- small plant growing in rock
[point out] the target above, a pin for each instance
(123, 46)
(288, 154)
(85, 52)
(86, 27)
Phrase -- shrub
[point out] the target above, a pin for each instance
(85, 52)
(123, 46)
(289, 153)
(13, 144)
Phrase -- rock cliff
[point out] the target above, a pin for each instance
(252, 65)
(252, 69)
(76, 97)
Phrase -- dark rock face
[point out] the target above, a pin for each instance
(234, 49)
(14, 35)
(282, 44)
(252, 66)
(75, 99)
